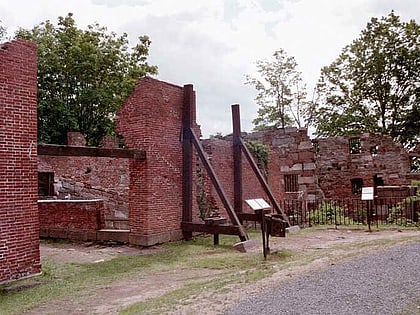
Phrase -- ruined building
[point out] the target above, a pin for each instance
(135, 194)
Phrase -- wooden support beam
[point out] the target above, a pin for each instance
(211, 229)
(67, 150)
(222, 195)
(263, 182)
(249, 217)
(237, 160)
(187, 156)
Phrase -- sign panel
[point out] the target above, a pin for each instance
(367, 193)
(258, 204)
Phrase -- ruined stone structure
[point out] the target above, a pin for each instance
(139, 190)
(346, 164)
(290, 170)
(19, 222)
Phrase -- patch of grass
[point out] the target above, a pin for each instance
(68, 280)
(186, 294)
(72, 281)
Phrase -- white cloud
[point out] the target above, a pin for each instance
(213, 44)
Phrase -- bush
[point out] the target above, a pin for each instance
(327, 213)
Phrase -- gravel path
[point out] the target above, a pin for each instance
(386, 282)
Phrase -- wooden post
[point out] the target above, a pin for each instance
(187, 156)
(237, 159)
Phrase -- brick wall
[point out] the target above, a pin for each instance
(221, 158)
(92, 178)
(19, 225)
(379, 157)
(291, 152)
(71, 219)
(151, 119)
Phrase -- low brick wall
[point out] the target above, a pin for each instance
(71, 219)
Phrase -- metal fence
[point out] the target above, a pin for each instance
(392, 211)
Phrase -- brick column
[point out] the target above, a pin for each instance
(19, 222)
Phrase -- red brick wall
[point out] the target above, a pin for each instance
(93, 178)
(151, 119)
(71, 219)
(291, 152)
(336, 166)
(19, 226)
(221, 158)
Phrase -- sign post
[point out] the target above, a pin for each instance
(260, 206)
(367, 194)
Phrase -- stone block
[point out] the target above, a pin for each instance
(245, 246)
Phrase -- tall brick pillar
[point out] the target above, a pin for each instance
(151, 119)
(19, 221)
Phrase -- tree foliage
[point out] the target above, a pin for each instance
(281, 93)
(84, 76)
(3, 32)
(374, 85)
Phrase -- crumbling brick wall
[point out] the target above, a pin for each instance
(290, 153)
(19, 225)
(89, 177)
(220, 155)
(377, 161)
(151, 119)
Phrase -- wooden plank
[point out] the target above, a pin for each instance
(211, 229)
(222, 195)
(249, 217)
(67, 150)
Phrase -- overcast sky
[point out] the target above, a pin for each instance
(213, 44)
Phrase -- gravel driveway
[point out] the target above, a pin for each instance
(385, 282)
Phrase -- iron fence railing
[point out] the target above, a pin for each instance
(352, 211)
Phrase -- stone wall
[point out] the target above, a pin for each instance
(290, 154)
(19, 221)
(375, 160)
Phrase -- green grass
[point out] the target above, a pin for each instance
(73, 281)
(67, 280)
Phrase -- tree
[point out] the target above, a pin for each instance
(3, 32)
(84, 76)
(374, 85)
(281, 94)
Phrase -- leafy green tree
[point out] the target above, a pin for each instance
(3, 32)
(84, 76)
(374, 85)
(281, 94)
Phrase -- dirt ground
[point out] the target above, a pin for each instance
(114, 296)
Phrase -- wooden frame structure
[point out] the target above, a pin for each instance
(235, 213)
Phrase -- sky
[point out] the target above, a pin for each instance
(214, 44)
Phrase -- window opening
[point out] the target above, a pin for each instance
(45, 184)
(291, 183)
(356, 186)
(415, 164)
(354, 145)
(374, 150)
(378, 180)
